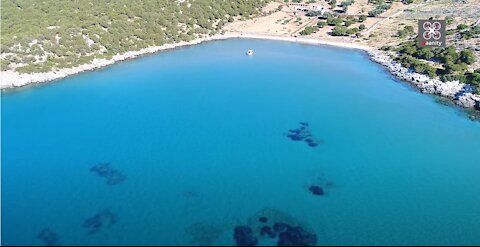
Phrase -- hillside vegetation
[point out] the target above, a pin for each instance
(448, 63)
(41, 35)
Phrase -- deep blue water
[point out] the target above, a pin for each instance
(199, 136)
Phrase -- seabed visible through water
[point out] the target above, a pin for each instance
(203, 145)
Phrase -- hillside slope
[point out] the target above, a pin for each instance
(40, 36)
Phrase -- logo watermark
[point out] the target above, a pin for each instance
(432, 33)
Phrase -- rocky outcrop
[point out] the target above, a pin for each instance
(462, 94)
(468, 100)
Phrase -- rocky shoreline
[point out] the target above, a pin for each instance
(12, 79)
(461, 94)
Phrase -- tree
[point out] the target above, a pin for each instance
(409, 29)
(114, 26)
(334, 21)
(425, 53)
(333, 4)
(379, 9)
(452, 68)
(401, 33)
(321, 24)
(352, 31)
(467, 56)
(462, 27)
(340, 31)
(348, 23)
(473, 78)
(449, 20)
(309, 30)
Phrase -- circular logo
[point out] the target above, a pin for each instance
(432, 30)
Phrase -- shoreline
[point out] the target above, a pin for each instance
(12, 79)
(461, 94)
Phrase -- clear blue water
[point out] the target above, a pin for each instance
(199, 134)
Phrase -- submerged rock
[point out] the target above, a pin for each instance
(263, 219)
(267, 231)
(48, 237)
(244, 236)
(299, 136)
(283, 230)
(112, 176)
(99, 221)
(296, 236)
(302, 134)
(312, 144)
(280, 227)
(295, 131)
(316, 190)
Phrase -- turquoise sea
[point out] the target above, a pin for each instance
(182, 147)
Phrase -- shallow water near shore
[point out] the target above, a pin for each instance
(187, 144)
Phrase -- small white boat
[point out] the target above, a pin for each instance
(250, 53)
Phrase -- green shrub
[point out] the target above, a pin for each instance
(379, 10)
(321, 24)
(309, 30)
(340, 31)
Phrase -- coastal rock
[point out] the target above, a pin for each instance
(467, 100)
(462, 94)
(467, 97)
(428, 87)
(449, 89)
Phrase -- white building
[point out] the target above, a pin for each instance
(307, 7)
